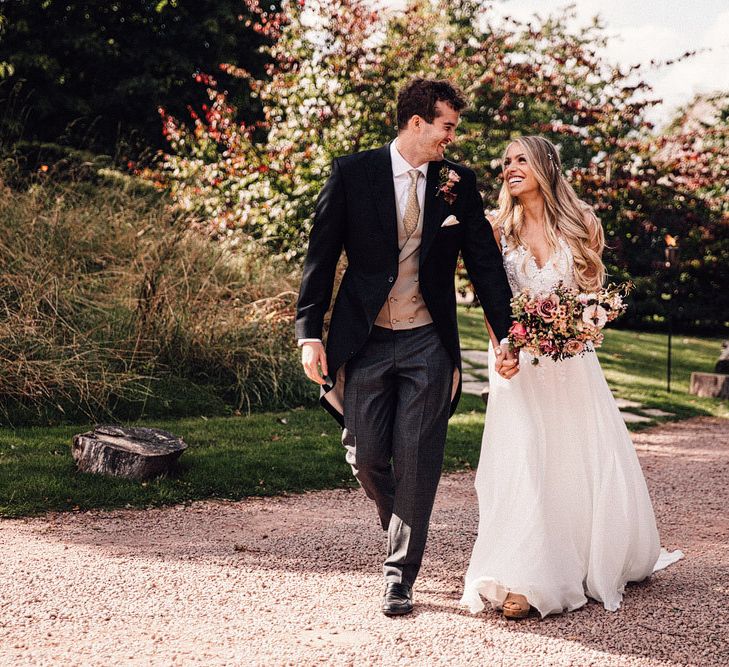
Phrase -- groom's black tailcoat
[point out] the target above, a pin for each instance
(356, 210)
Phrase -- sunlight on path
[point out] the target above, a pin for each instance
(296, 580)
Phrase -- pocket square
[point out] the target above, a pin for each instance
(450, 221)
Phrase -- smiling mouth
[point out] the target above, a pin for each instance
(515, 180)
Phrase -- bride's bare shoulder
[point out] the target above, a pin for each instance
(491, 217)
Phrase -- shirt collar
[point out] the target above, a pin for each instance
(400, 165)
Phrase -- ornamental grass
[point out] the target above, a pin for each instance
(112, 308)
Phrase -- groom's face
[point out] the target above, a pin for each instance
(434, 137)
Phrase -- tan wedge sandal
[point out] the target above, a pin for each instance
(515, 606)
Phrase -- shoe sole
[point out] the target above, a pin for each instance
(397, 613)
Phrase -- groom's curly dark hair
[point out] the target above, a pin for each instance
(418, 97)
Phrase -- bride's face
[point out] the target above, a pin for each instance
(518, 173)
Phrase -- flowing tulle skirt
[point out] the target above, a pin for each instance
(564, 508)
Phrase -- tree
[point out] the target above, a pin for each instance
(335, 69)
(90, 74)
(693, 158)
(694, 150)
(321, 98)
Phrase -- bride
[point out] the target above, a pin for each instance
(564, 509)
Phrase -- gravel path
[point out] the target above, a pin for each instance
(296, 581)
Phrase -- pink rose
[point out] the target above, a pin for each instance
(518, 331)
(530, 307)
(453, 176)
(547, 308)
(574, 347)
(547, 347)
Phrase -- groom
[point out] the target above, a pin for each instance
(391, 372)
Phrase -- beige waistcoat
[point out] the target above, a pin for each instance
(405, 308)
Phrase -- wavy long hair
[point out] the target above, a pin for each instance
(565, 214)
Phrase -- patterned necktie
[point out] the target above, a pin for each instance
(412, 209)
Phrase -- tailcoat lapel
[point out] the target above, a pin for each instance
(383, 190)
(433, 208)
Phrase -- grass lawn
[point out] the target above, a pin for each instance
(635, 365)
(298, 450)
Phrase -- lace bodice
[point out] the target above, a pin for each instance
(524, 273)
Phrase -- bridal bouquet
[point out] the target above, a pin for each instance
(566, 322)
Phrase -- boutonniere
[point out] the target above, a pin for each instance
(446, 183)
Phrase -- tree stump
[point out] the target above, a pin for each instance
(712, 385)
(135, 453)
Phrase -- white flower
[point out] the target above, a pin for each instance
(453, 176)
(595, 315)
(616, 301)
(583, 298)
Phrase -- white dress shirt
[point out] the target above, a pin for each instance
(401, 181)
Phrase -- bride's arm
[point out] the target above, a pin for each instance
(491, 217)
(507, 360)
(492, 336)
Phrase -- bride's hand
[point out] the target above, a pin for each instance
(507, 361)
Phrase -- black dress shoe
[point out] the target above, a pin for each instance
(398, 599)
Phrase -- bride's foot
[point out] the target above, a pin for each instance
(516, 606)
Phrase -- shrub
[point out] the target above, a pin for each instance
(106, 298)
(331, 91)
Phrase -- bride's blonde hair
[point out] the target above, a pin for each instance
(564, 212)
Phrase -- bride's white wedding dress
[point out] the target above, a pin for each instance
(564, 508)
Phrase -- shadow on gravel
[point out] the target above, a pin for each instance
(677, 616)
(665, 618)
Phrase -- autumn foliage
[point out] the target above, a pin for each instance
(334, 69)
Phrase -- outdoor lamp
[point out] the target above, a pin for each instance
(671, 251)
(671, 254)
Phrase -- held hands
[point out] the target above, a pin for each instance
(507, 361)
(314, 361)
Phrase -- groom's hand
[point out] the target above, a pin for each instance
(507, 361)
(314, 361)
